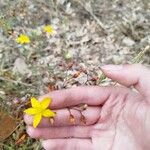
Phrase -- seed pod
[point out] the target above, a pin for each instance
(21, 139)
(72, 119)
(51, 121)
(83, 107)
(76, 74)
(83, 119)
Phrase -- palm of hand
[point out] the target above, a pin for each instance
(124, 123)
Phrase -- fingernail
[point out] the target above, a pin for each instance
(29, 130)
(112, 67)
(44, 144)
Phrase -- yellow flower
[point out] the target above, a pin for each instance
(48, 29)
(23, 39)
(39, 109)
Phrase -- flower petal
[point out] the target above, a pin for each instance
(35, 103)
(30, 111)
(48, 113)
(23, 39)
(48, 29)
(45, 102)
(36, 120)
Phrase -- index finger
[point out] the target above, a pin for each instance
(92, 95)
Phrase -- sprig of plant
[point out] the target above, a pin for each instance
(135, 60)
(80, 109)
(139, 56)
(71, 117)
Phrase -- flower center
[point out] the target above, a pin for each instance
(40, 110)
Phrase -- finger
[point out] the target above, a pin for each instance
(60, 132)
(130, 75)
(93, 95)
(91, 115)
(67, 144)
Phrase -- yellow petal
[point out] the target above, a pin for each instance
(30, 111)
(48, 113)
(48, 29)
(36, 120)
(35, 103)
(23, 39)
(45, 102)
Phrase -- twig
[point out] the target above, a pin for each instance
(137, 58)
(16, 82)
(100, 24)
(21, 122)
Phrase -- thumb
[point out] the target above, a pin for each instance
(130, 75)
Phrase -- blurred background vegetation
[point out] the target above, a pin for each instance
(88, 34)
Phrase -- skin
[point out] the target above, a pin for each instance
(118, 117)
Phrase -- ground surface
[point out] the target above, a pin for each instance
(88, 34)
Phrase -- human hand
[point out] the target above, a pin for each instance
(118, 118)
